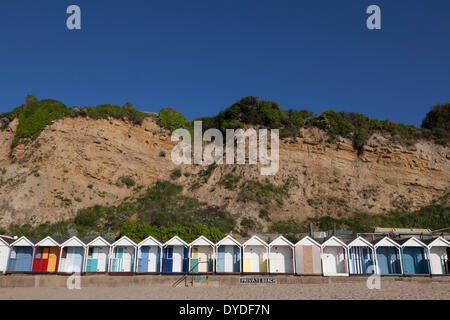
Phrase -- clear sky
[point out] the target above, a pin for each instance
(200, 56)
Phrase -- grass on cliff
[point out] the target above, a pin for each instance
(354, 126)
(35, 115)
(162, 211)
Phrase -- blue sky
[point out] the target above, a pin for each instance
(201, 56)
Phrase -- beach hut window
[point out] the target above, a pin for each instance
(91, 252)
(169, 253)
(38, 253)
(14, 253)
(45, 253)
(64, 253)
(194, 252)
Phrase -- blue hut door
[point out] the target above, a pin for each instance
(220, 264)
(236, 259)
(388, 260)
(78, 259)
(24, 259)
(414, 260)
(143, 260)
(168, 262)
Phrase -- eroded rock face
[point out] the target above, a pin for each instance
(79, 162)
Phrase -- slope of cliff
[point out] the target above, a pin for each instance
(78, 161)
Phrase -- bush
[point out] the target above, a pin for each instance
(247, 224)
(105, 111)
(172, 120)
(129, 182)
(438, 122)
(264, 214)
(176, 174)
(262, 193)
(35, 116)
(230, 181)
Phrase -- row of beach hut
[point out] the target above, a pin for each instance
(333, 257)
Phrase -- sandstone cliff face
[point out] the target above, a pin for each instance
(79, 162)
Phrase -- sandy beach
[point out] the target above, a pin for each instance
(390, 289)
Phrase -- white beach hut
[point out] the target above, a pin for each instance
(388, 260)
(255, 255)
(149, 256)
(71, 257)
(201, 255)
(228, 253)
(175, 256)
(334, 257)
(4, 252)
(123, 253)
(415, 260)
(97, 257)
(439, 250)
(21, 255)
(308, 257)
(281, 256)
(361, 256)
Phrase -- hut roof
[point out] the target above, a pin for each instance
(176, 241)
(124, 241)
(281, 241)
(73, 242)
(385, 242)
(24, 242)
(7, 240)
(411, 242)
(307, 241)
(98, 242)
(334, 241)
(48, 242)
(437, 242)
(255, 241)
(228, 241)
(202, 241)
(150, 241)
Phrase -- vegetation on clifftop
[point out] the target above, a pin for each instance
(35, 115)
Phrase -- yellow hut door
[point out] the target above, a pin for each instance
(52, 258)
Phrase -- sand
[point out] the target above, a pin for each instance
(390, 289)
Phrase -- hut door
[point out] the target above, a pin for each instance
(228, 258)
(194, 260)
(153, 259)
(143, 259)
(92, 262)
(330, 259)
(3, 257)
(24, 258)
(178, 259)
(127, 259)
(438, 260)
(253, 257)
(52, 259)
(102, 258)
(308, 264)
(68, 255)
